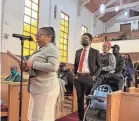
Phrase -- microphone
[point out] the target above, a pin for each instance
(23, 37)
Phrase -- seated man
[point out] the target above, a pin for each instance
(15, 75)
(120, 66)
(67, 76)
(108, 62)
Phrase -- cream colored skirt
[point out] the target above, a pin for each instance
(42, 106)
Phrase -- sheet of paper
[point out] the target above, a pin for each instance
(13, 56)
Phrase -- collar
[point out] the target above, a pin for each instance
(45, 46)
(87, 48)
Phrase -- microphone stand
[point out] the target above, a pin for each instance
(21, 91)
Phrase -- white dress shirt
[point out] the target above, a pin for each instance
(85, 68)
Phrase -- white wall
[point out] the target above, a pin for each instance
(116, 26)
(99, 28)
(13, 22)
(126, 46)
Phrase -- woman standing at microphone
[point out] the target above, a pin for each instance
(43, 83)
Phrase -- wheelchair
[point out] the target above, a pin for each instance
(96, 110)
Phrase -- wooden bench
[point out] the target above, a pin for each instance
(123, 106)
(10, 96)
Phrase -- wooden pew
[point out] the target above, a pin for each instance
(133, 90)
(123, 106)
(10, 96)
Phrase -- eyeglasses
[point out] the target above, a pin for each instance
(39, 34)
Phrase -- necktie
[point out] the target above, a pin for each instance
(82, 60)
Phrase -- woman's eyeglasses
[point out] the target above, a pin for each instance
(39, 34)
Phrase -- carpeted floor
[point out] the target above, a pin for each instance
(70, 117)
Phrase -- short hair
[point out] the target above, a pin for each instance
(89, 35)
(14, 67)
(49, 31)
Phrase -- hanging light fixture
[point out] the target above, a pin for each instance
(117, 8)
(126, 13)
(102, 8)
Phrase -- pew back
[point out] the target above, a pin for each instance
(10, 95)
(123, 106)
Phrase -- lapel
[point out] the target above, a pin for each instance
(80, 52)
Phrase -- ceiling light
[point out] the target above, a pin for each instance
(117, 8)
(102, 8)
(126, 13)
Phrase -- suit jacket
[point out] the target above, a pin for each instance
(43, 76)
(94, 61)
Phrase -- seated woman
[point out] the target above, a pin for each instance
(128, 69)
(108, 65)
(14, 76)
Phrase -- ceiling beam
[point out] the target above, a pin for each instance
(107, 5)
(127, 19)
(125, 6)
(114, 18)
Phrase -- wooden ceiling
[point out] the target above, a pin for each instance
(94, 5)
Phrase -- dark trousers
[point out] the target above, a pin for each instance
(115, 80)
(83, 85)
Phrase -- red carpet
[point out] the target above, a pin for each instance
(70, 117)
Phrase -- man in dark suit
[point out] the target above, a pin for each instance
(87, 68)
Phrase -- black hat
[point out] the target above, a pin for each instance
(116, 46)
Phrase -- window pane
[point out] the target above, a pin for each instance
(33, 30)
(65, 41)
(65, 36)
(35, 7)
(28, 11)
(62, 28)
(31, 52)
(26, 44)
(33, 45)
(61, 52)
(61, 47)
(61, 60)
(25, 52)
(66, 18)
(61, 34)
(34, 38)
(66, 24)
(61, 40)
(65, 53)
(27, 19)
(62, 15)
(28, 3)
(66, 30)
(36, 1)
(26, 27)
(34, 14)
(64, 59)
(34, 22)
(65, 47)
(62, 22)
(26, 33)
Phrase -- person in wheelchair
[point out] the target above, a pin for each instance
(108, 62)
(112, 68)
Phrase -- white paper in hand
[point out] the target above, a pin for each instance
(13, 56)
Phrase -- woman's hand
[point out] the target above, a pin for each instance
(29, 63)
